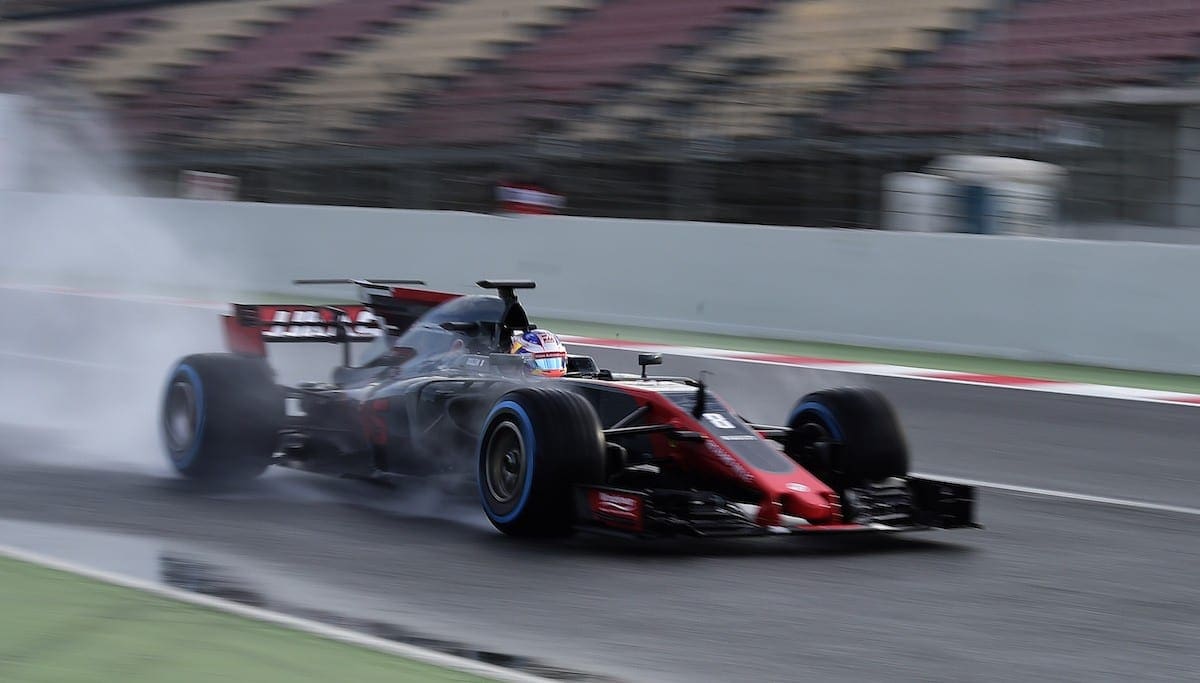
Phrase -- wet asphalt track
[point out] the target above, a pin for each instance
(1052, 589)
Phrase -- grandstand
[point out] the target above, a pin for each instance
(786, 111)
(605, 48)
(368, 83)
(188, 35)
(17, 36)
(1008, 66)
(784, 65)
(35, 53)
(253, 68)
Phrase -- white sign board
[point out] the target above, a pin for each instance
(201, 185)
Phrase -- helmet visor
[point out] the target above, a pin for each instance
(549, 363)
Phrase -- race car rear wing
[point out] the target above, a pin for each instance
(252, 326)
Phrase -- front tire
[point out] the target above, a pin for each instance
(847, 437)
(220, 417)
(537, 443)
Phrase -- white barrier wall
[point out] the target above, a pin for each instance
(1118, 304)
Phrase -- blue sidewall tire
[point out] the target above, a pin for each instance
(185, 460)
(530, 444)
(831, 421)
(237, 412)
(872, 443)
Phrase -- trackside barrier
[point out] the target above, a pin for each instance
(1108, 303)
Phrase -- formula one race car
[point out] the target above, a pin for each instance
(439, 391)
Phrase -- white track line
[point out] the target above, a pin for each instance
(1119, 393)
(412, 652)
(118, 296)
(64, 361)
(1067, 495)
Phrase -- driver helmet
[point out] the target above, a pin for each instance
(543, 352)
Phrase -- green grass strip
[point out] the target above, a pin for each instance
(63, 628)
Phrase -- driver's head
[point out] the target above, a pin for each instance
(543, 352)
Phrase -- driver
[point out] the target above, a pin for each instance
(543, 351)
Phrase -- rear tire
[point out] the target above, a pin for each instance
(537, 443)
(220, 417)
(847, 437)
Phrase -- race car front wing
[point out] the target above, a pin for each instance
(909, 504)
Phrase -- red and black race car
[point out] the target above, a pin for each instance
(437, 393)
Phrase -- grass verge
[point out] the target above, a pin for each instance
(56, 626)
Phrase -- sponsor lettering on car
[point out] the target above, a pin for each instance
(729, 461)
(617, 509)
(307, 322)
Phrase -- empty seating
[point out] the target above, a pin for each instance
(994, 81)
(68, 43)
(803, 50)
(435, 44)
(404, 59)
(16, 35)
(437, 72)
(190, 35)
(249, 70)
(601, 48)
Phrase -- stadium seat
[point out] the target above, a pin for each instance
(254, 68)
(436, 45)
(191, 34)
(602, 48)
(993, 81)
(69, 43)
(17, 35)
(399, 72)
(804, 49)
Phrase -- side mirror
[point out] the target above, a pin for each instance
(687, 436)
(645, 359)
(581, 365)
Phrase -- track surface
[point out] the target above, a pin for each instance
(1052, 589)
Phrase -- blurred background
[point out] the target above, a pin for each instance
(1065, 117)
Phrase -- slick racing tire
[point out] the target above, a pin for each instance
(537, 443)
(220, 417)
(847, 437)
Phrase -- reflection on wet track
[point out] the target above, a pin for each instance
(194, 570)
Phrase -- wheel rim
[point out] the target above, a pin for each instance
(813, 441)
(179, 415)
(506, 462)
(813, 438)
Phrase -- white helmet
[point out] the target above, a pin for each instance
(543, 352)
